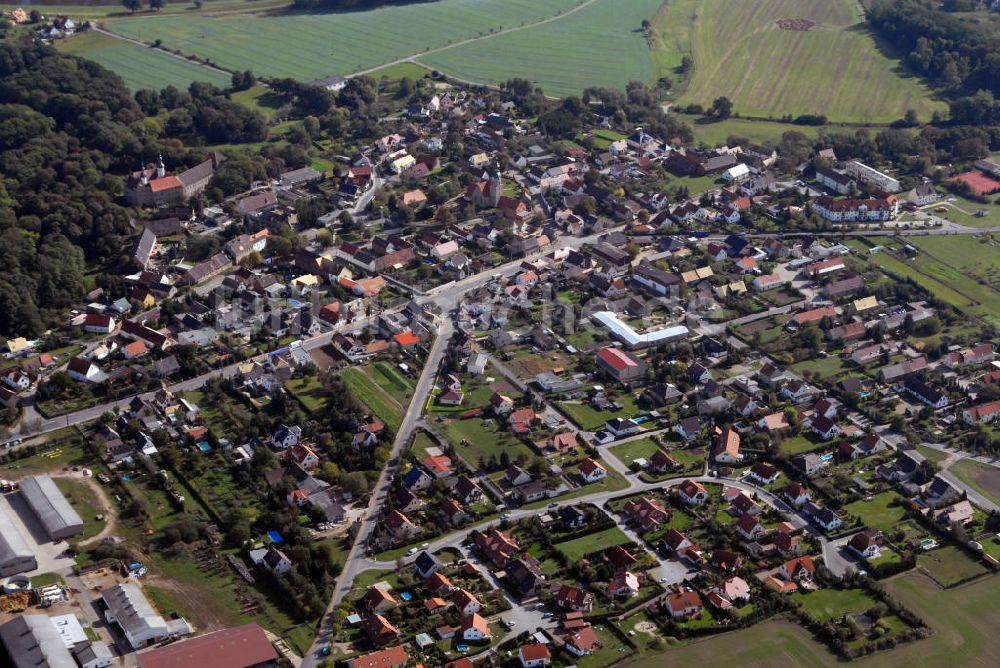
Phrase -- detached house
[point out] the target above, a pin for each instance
(727, 448)
(574, 598)
(692, 493)
(647, 513)
(592, 471)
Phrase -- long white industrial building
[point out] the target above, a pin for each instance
(631, 338)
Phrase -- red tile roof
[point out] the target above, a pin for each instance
(238, 647)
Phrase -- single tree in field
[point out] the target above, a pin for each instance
(157, 4)
(132, 5)
(722, 107)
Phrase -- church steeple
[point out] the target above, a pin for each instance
(161, 169)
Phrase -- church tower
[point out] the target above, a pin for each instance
(161, 169)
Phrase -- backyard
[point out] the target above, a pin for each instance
(596, 542)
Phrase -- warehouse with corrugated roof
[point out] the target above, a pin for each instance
(50, 506)
(15, 555)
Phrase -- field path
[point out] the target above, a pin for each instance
(213, 68)
(413, 57)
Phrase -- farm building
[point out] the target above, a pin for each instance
(33, 640)
(142, 625)
(245, 646)
(15, 555)
(51, 507)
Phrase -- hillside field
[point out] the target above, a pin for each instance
(140, 67)
(824, 61)
(308, 46)
(599, 45)
(771, 57)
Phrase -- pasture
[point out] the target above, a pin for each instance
(308, 46)
(599, 45)
(140, 67)
(834, 67)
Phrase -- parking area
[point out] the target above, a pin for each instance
(50, 556)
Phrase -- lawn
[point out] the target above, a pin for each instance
(713, 131)
(835, 68)
(476, 439)
(368, 392)
(308, 46)
(826, 604)
(962, 211)
(611, 650)
(877, 513)
(642, 448)
(948, 565)
(596, 542)
(591, 419)
(599, 45)
(85, 502)
(309, 391)
(935, 456)
(260, 98)
(983, 478)
(824, 367)
(64, 448)
(795, 445)
(140, 67)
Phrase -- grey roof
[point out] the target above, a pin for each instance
(132, 610)
(93, 651)
(49, 504)
(33, 641)
(303, 175)
(144, 247)
(12, 545)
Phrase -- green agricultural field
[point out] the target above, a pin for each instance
(310, 46)
(834, 68)
(140, 67)
(955, 265)
(110, 8)
(596, 542)
(599, 45)
(908, 269)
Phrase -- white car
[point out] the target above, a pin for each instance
(412, 551)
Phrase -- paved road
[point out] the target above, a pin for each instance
(89, 414)
(368, 520)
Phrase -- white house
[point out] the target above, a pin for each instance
(692, 493)
(592, 471)
(475, 628)
(736, 173)
(272, 559)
